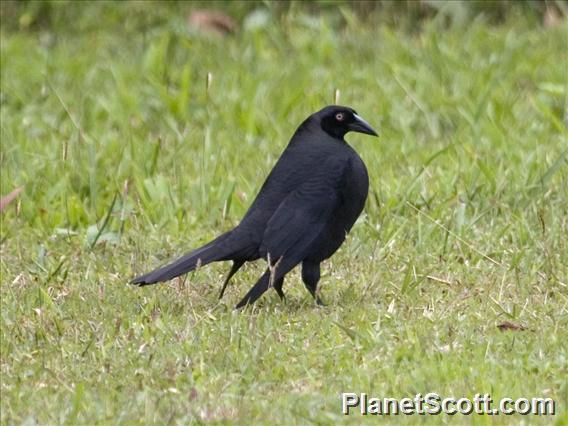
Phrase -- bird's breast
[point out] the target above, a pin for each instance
(356, 186)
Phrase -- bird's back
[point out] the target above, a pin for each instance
(309, 155)
(302, 158)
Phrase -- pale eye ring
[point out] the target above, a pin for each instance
(339, 116)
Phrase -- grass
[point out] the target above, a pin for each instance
(128, 159)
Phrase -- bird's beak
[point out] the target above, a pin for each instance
(361, 126)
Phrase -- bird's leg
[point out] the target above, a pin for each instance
(256, 291)
(263, 284)
(236, 266)
(311, 276)
(278, 287)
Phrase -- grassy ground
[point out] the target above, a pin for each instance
(465, 227)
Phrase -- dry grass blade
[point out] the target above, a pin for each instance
(212, 21)
(509, 326)
(453, 234)
(10, 197)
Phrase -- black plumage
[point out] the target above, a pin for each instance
(303, 211)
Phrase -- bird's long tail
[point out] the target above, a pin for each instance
(218, 249)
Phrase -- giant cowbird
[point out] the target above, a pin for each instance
(303, 211)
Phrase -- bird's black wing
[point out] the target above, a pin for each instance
(305, 212)
(300, 218)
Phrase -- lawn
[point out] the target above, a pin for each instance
(136, 138)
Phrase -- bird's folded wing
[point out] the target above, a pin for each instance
(304, 213)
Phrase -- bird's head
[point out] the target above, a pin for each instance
(338, 120)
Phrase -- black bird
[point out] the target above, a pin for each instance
(303, 211)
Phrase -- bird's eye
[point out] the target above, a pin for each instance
(339, 116)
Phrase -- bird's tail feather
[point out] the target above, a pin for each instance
(211, 252)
